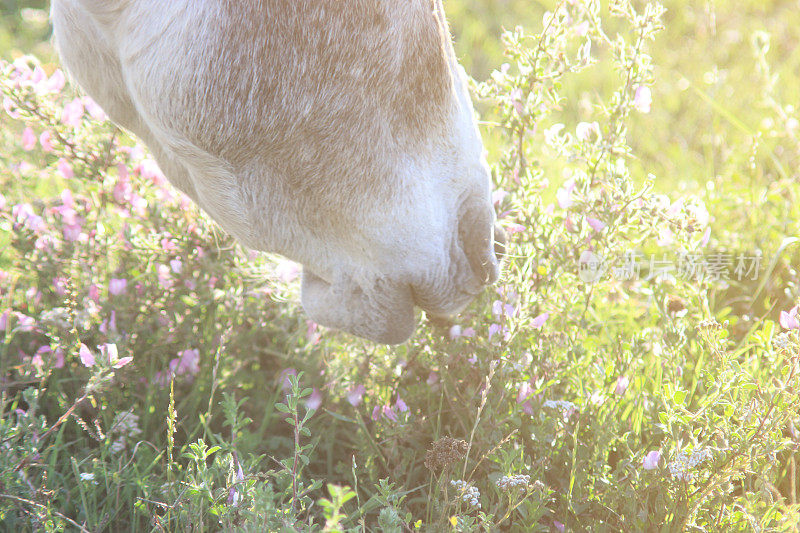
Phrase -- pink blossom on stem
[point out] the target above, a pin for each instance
(72, 114)
(356, 394)
(117, 286)
(315, 400)
(65, 169)
(60, 286)
(87, 358)
(539, 321)
(46, 140)
(595, 224)
(187, 362)
(622, 385)
(283, 378)
(28, 139)
(56, 82)
(525, 390)
(400, 404)
(643, 99)
(790, 320)
(651, 460)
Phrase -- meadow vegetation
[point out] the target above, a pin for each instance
(635, 369)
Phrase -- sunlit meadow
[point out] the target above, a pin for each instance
(635, 369)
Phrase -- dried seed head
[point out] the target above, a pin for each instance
(445, 452)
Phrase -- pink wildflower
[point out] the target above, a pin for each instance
(28, 139)
(643, 99)
(187, 362)
(65, 169)
(117, 286)
(72, 114)
(400, 404)
(651, 460)
(315, 400)
(595, 224)
(622, 385)
(56, 82)
(46, 140)
(539, 321)
(355, 395)
(790, 320)
(87, 358)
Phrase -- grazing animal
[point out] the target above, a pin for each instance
(338, 133)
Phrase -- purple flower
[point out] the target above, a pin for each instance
(498, 196)
(355, 395)
(117, 286)
(525, 390)
(595, 224)
(527, 408)
(287, 271)
(65, 169)
(587, 131)
(433, 379)
(286, 383)
(400, 404)
(4, 320)
(72, 113)
(790, 320)
(389, 413)
(539, 321)
(87, 358)
(25, 322)
(315, 400)
(28, 139)
(455, 332)
(109, 350)
(187, 362)
(651, 460)
(564, 195)
(514, 228)
(643, 99)
(56, 82)
(493, 330)
(622, 385)
(60, 286)
(176, 265)
(46, 140)
(164, 278)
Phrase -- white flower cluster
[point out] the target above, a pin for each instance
(783, 341)
(679, 468)
(518, 482)
(562, 405)
(126, 426)
(467, 492)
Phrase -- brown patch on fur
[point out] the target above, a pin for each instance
(319, 89)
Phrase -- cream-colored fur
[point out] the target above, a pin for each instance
(338, 133)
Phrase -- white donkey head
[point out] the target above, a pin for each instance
(338, 133)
